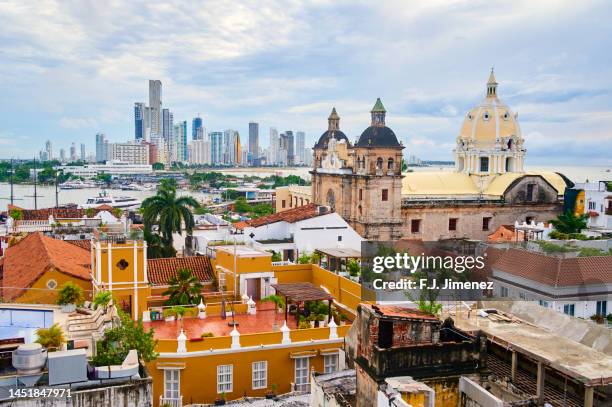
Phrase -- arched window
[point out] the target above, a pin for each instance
(390, 164)
(360, 210)
(510, 144)
(379, 163)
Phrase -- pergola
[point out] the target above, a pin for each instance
(299, 293)
(337, 257)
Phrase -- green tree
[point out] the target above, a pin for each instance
(184, 289)
(168, 212)
(158, 167)
(118, 341)
(50, 338)
(103, 299)
(242, 206)
(106, 178)
(568, 222)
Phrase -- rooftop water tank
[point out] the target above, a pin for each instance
(30, 358)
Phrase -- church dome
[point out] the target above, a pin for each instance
(490, 121)
(325, 137)
(333, 131)
(378, 134)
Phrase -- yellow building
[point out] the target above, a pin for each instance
(292, 196)
(204, 358)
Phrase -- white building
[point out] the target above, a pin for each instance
(300, 230)
(576, 286)
(110, 167)
(131, 153)
(200, 152)
(598, 204)
(274, 145)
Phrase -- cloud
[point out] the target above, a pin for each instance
(78, 122)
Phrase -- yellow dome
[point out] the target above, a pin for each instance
(489, 121)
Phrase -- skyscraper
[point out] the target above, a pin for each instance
(167, 125)
(273, 149)
(49, 150)
(62, 155)
(155, 104)
(73, 153)
(139, 120)
(216, 147)
(178, 146)
(101, 148)
(253, 141)
(290, 147)
(195, 126)
(82, 152)
(299, 146)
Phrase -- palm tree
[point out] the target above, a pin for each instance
(52, 337)
(568, 222)
(184, 289)
(168, 212)
(103, 299)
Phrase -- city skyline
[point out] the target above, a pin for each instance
(428, 66)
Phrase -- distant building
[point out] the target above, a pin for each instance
(299, 146)
(155, 104)
(179, 142)
(62, 155)
(139, 120)
(593, 199)
(200, 152)
(196, 125)
(89, 171)
(49, 150)
(73, 152)
(167, 125)
(131, 153)
(274, 146)
(253, 141)
(101, 148)
(83, 155)
(216, 147)
(290, 145)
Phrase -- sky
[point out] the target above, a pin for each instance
(69, 70)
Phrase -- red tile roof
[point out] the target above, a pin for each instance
(71, 212)
(26, 261)
(289, 216)
(83, 244)
(160, 271)
(555, 271)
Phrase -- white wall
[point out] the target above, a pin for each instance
(325, 238)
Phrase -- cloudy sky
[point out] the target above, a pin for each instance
(71, 69)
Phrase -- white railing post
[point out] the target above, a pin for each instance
(285, 330)
(333, 329)
(182, 343)
(235, 338)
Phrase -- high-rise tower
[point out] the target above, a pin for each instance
(155, 104)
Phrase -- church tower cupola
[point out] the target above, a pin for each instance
(333, 121)
(378, 114)
(492, 86)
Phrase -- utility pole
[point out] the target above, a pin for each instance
(11, 183)
(35, 196)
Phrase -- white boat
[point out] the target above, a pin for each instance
(137, 187)
(122, 202)
(77, 184)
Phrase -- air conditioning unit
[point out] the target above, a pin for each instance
(322, 209)
(29, 359)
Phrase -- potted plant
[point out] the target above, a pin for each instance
(270, 394)
(320, 318)
(312, 318)
(102, 299)
(51, 338)
(69, 296)
(220, 400)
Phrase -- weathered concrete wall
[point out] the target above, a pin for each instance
(435, 219)
(132, 394)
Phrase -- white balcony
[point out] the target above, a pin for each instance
(171, 401)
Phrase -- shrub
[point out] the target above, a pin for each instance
(70, 293)
(52, 337)
(598, 318)
(208, 335)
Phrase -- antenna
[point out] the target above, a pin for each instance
(35, 196)
(12, 197)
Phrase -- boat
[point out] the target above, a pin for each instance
(77, 184)
(121, 202)
(136, 187)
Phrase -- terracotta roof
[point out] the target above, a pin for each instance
(289, 216)
(26, 261)
(555, 271)
(83, 244)
(395, 311)
(240, 225)
(71, 212)
(160, 271)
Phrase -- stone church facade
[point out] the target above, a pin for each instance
(364, 182)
